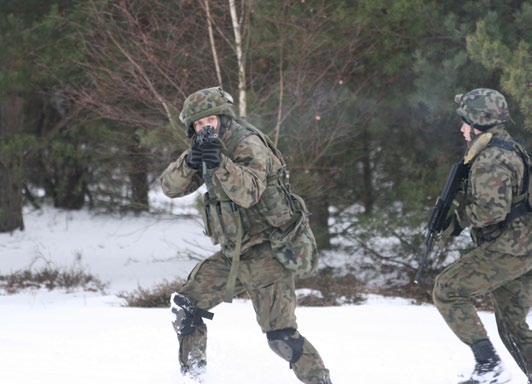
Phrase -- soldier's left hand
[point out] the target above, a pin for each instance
(210, 152)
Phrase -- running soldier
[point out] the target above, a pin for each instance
(495, 206)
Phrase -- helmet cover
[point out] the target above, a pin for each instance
(482, 108)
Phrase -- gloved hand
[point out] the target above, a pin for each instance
(194, 156)
(211, 154)
(456, 219)
(461, 216)
(452, 226)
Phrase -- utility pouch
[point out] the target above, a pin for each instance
(275, 206)
(220, 221)
(206, 214)
(294, 244)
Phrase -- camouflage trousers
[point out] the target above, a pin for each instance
(270, 287)
(508, 280)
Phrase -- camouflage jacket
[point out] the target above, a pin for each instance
(245, 177)
(495, 179)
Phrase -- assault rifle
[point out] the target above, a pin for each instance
(440, 211)
(205, 135)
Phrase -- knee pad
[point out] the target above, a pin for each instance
(186, 321)
(287, 343)
(185, 324)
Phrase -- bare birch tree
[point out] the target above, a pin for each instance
(237, 23)
(213, 44)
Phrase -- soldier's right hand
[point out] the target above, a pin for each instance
(194, 156)
(451, 228)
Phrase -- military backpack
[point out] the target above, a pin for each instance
(525, 198)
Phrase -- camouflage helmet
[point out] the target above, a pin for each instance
(203, 103)
(482, 108)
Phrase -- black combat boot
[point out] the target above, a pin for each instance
(488, 368)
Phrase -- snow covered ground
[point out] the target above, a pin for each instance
(86, 338)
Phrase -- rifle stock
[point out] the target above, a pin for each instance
(440, 211)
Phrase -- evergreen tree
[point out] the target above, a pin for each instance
(501, 43)
(34, 71)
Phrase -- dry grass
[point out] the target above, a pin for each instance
(50, 278)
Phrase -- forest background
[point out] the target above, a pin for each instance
(357, 94)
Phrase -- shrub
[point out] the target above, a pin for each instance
(50, 278)
(159, 296)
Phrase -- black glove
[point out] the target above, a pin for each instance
(451, 228)
(454, 224)
(211, 154)
(194, 157)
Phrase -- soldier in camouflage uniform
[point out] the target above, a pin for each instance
(501, 264)
(243, 205)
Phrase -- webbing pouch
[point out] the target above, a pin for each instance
(294, 244)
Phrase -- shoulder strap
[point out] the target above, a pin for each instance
(238, 135)
(503, 144)
(266, 140)
(248, 130)
(512, 146)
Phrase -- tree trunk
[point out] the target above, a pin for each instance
(10, 200)
(11, 172)
(138, 176)
(69, 188)
(367, 194)
(63, 161)
(319, 222)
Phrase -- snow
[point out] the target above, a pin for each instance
(81, 337)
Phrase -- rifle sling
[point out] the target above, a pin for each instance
(235, 259)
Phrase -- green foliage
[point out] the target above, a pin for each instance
(13, 150)
(38, 50)
(501, 44)
(38, 66)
